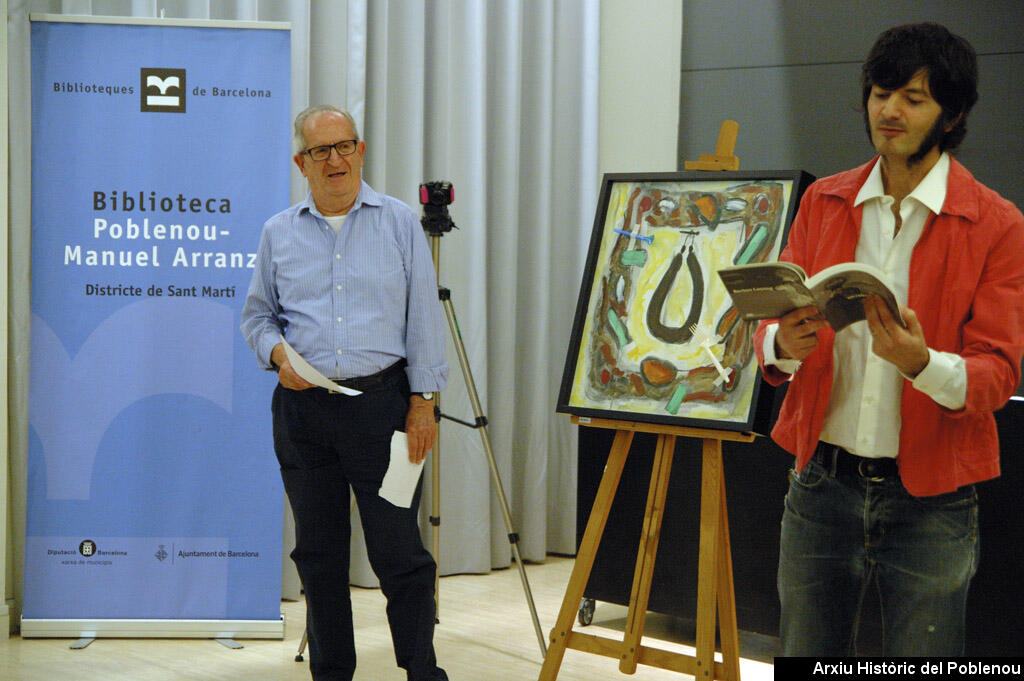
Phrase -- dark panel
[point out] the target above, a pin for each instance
(995, 607)
(721, 34)
(994, 147)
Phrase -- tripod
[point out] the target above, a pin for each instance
(435, 197)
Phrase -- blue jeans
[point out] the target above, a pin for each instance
(843, 534)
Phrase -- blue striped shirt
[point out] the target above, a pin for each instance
(351, 303)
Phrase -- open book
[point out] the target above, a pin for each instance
(771, 289)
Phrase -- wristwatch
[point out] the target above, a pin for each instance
(426, 396)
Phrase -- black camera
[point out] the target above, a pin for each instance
(435, 198)
(437, 193)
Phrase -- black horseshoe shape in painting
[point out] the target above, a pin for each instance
(679, 334)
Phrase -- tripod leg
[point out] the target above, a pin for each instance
(481, 422)
(435, 509)
(435, 460)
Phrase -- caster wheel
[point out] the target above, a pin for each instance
(586, 612)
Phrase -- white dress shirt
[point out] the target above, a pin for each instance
(863, 414)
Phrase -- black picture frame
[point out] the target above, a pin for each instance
(633, 354)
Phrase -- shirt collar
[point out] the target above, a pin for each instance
(930, 191)
(366, 196)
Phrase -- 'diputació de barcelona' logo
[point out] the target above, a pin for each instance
(163, 90)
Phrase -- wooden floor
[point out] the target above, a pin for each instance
(485, 634)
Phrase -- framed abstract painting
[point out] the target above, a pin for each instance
(655, 337)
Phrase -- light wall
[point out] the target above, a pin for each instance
(641, 43)
(5, 552)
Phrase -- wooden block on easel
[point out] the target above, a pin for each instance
(723, 158)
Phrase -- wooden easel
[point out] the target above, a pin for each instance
(715, 594)
(714, 566)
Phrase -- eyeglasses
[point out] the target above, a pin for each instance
(323, 152)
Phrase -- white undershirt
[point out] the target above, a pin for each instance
(335, 221)
(863, 414)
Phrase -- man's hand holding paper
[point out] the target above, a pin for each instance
(399, 484)
(301, 375)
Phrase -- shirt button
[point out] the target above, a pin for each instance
(339, 319)
(339, 287)
(339, 351)
(337, 256)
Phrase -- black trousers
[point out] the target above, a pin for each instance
(325, 444)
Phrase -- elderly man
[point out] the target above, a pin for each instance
(346, 277)
(891, 421)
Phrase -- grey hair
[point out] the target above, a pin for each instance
(299, 139)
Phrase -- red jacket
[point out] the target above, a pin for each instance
(967, 288)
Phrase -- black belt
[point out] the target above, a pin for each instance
(837, 461)
(364, 383)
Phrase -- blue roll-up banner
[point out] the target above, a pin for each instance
(153, 493)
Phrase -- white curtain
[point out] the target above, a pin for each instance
(501, 99)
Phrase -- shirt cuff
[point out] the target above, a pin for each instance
(788, 366)
(944, 379)
(427, 379)
(266, 346)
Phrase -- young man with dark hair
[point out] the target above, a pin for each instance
(891, 423)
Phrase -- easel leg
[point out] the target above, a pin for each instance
(647, 553)
(727, 597)
(714, 573)
(586, 554)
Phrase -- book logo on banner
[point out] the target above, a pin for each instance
(163, 90)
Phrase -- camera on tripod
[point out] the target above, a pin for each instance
(435, 198)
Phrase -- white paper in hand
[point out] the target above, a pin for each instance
(307, 371)
(399, 483)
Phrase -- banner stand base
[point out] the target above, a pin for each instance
(140, 628)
